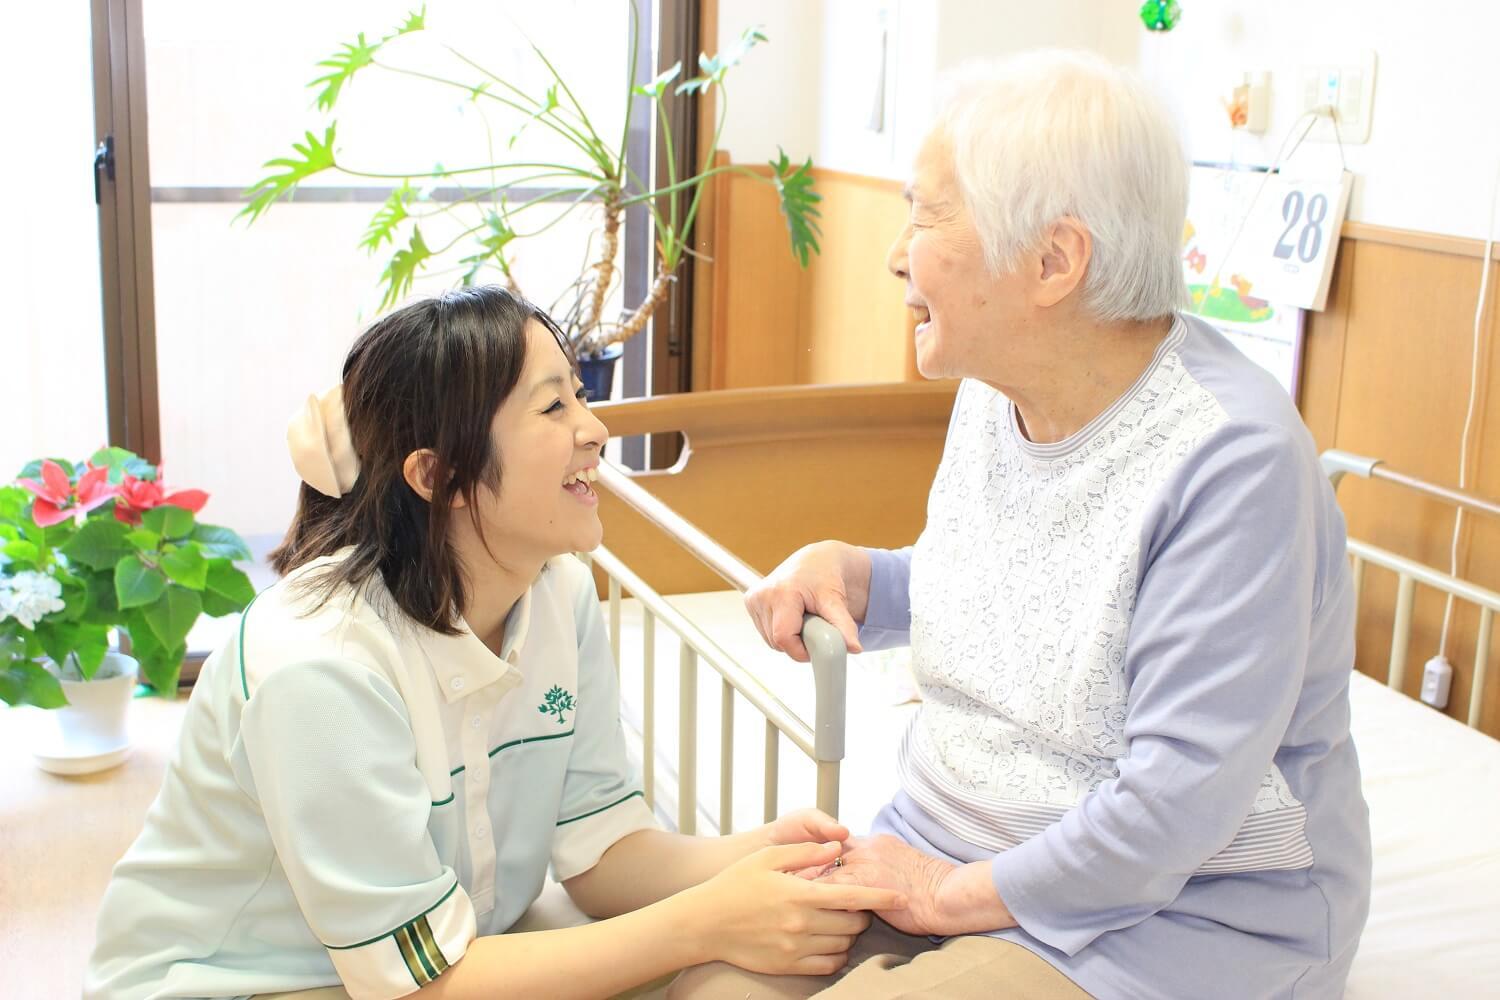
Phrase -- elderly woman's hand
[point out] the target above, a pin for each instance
(885, 862)
(828, 579)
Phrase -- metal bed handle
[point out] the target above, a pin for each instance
(1337, 464)
(825, 647)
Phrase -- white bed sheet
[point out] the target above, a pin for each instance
(1432, 784)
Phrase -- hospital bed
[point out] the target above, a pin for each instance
(711, 711)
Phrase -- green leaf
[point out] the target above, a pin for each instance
(314, 157)
(25, 683)
(383, 224)
(90, 647)
(161, 664)
(173, 615)
(492, 248)
(13, 500)
(87, 643)
(654, 89)
(227, 582)
(21, 551)
(186, 565)
(169, 521)
(144, 540)
(549, 106)
(102, 606)
(798, 203)
(355, 56)
(220, 543)
(415, 21)
(121, 462)
(136, 584)
(99, 544)
(402, 270)
(33, 469)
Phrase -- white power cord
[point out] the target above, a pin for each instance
(1439, 671)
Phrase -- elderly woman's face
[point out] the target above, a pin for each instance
(958, 304)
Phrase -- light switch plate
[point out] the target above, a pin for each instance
(1347, 83)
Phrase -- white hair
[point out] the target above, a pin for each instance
(1049, 134)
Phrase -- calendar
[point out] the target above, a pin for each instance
(1257, 250)
(1271, 237)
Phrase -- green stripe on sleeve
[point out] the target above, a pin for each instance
(595, 812)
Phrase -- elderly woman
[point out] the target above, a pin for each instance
(1129, 611)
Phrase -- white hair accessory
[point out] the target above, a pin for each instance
(322, 451)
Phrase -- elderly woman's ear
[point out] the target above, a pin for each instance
(1066, 250)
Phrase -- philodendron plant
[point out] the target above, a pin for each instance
(596, 174)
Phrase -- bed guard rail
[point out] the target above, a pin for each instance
(823, 741)
(1336, 465)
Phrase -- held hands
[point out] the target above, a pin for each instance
(766, 919)
(888, 863)
(829, 579)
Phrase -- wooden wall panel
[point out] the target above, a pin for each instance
(854, 325)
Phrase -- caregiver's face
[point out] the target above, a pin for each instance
(958, 304)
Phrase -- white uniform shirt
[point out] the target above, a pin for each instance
(355, 797)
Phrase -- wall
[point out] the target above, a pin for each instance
(1429, 164)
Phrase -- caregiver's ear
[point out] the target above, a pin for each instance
(419, 470)
(1066, 249)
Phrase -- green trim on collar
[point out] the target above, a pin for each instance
(244, 684)
(575, 819)
(349, 947)
(515, 743)
(445, 801)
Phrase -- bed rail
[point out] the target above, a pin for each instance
(822, 741)
(1409, 573)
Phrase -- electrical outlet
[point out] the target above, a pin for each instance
(1347, 85)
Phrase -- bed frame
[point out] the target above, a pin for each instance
(765, 471)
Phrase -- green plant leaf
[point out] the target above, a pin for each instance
(549, 106)
(162, 665)
(416, 20)
(492, 248)
(229, 583)
(383, 224)
(75, 595)
(314, 157)
(169, 521)
(136, 584)
(402, 270)
(798, 203)
(172, 615)
(655, 88)
(13, 500)
(25, 683)
(144, 540)
(33, 469)
(21, 551)
(186, 565)
(101, 606)
(99, 544)
(220, 543)
(121, 462)
(354, 56)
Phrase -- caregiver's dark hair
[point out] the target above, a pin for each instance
(429, 375)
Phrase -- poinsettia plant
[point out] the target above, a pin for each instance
(101, 547)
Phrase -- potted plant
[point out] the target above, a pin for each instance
(96, 550)
(594, 173)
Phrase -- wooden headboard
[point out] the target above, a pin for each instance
(765, 471)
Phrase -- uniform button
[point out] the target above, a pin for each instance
(457, 683)
(475, 723)
(479, 831)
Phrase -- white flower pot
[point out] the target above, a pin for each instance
(92, 731)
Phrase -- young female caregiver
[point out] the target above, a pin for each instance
(421, 715)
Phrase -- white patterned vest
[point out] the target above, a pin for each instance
(1023, 585)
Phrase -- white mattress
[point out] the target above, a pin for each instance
(1432, 784)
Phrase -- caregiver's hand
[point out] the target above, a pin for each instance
(767, 920)
(828, 579)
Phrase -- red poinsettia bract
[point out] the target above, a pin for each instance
(57, 499)
(136, 496)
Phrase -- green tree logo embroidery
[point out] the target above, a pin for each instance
(558, 701)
